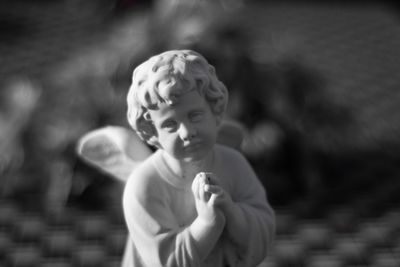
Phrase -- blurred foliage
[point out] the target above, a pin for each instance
(293, 126)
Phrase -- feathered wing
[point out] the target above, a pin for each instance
(114, 150)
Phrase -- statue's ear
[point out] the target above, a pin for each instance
(153, 141)
(220, 120)
(147, 131)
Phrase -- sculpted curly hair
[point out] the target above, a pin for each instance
(162, 79)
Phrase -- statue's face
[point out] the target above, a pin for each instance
(186, 130)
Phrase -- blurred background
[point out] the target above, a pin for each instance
(315, 85)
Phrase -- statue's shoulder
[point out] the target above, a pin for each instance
(228, 155)
(144, 177)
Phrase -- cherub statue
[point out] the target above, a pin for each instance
(193, 201)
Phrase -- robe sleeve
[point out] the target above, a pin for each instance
(158, 238)
(250, 196)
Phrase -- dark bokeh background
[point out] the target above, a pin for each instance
(315, 85)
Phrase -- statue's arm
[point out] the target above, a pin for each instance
(157, 236)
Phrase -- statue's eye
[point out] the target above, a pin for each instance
(196, 116)
(169, 125)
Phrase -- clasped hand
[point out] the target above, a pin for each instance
(211, 199)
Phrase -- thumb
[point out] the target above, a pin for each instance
(213, 189)
(214, 197)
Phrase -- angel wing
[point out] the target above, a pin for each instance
(117, 151)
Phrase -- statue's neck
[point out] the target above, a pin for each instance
(188, 170)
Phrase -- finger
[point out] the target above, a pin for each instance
(203, 177)
(214, 199)
(200, 185)
(213, 189)
(207, 177)
(195, 187)
(204, 195)
(201, 191)
(212, 178)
